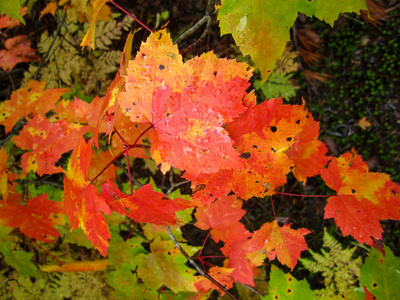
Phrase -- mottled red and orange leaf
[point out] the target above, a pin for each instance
(283, 242)
(18, 50)
(363, 198)
(36, 219)
(48, 141)
(28, 101)
(83, 205)
(186, 103)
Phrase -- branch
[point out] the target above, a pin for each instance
(201, 272)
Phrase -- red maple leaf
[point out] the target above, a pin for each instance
(48, 141)
(186, 103)
(83, 205)
(29, 101)
(145, 205)
(36, 219)
(222, 217)
(363, 198)
(283, 242)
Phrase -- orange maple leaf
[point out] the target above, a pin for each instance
(30, 100)
(186, 103)
(363, 198)
(36, 219)
(82, 202)
(283, 242)
(272, 138)
(18, 50)
(48, 141)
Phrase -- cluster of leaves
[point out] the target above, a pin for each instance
(195, 116)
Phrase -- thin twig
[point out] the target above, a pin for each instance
(220, 286)
(47, 55)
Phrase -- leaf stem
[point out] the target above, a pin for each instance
(47, 252)
(220, 286)
(129, 14)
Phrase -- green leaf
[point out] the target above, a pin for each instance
(165, 265)
(11, 8)
(126, 285)
(261, 27)
(77, 236)
(381, 274)
(19, 260)
(4, 231)
(123, 254)
(285, 286)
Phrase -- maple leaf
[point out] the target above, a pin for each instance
(18, 50)
(363, 198)
(223, 216)
(82, 202)
(35, 219)
(19, 260)
(264, 135)
(48, 141)
(283, 242)
(186, 103)
(145, 205)
(169, 267)
(3, 173)
(261, 29)
(30, 100)
(363, 123)
(284, 286)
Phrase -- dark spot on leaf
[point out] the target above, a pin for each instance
(34, 162)
(215, 73)
(133, 103)
(276, 297)
(161, 67)
(128, 109)
(273, 150)
(298, 122)
(245, 155)
(29, 89)
(273, 128)
(160, 36)
(289, 291)
(374, 284)
(353, 191)
(290, 278)
(289, 139)
(164, 198)
(255, 146)
(143, 55)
